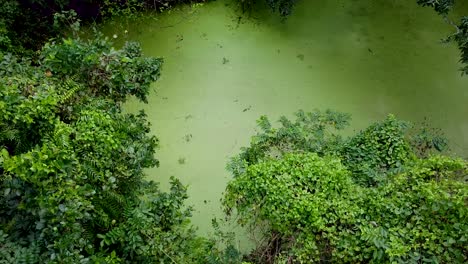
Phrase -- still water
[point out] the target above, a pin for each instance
(223, 70)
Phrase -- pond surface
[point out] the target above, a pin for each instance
(222, 71)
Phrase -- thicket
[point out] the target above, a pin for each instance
(312, 195)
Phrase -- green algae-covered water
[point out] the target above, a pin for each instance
(223, 70)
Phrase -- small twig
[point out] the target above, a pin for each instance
(450, 22)
(173, 261)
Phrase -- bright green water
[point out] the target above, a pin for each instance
(368, 58)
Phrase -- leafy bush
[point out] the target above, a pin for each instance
(379, 148)
(299, 198)
(106, 72)
(309, 132)
(420, 215)
(368, 198)
(72, 163)
(8, 12)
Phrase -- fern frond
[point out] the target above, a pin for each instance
(71, 87)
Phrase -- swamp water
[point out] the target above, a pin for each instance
(223, 70)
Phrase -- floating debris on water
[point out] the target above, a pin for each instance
(181, 160)
(179, 38)
(225, 60)
(247, 109)
(188, 137)
(300, 57)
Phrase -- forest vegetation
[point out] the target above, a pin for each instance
(72, 162)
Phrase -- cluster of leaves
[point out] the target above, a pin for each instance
(71, 165)
(440, 6)
(107, 72)
(27, 24)
(460, 37)
(283, 7)
(318, 197)
(8, 12)
(378, 149)
(131, 8)
(428, 140)
(309, 132)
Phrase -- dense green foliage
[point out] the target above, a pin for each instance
(71, 164)
(26, 25)
(8, 13)
(283, 7)
(318, 197)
